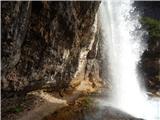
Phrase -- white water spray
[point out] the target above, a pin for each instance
(123, 46)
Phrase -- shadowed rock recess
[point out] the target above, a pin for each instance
(48, 45)
(150, 62)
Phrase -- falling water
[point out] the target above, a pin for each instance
(123, 46)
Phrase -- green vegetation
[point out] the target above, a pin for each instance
(75, 111)
(87, 102)
(15, 109)
(152, 26)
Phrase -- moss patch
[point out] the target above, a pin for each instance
(152, 26)
(81, 107)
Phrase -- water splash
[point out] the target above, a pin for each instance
(123, 46)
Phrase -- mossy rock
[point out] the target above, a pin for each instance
(152, 26)
(73, 112)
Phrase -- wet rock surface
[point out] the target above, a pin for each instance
(45, 44)
(150, 62)
(84, 110)
(109, 113)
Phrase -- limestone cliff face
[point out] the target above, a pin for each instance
(48, 44)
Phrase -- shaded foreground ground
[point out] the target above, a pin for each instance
(86, 109)
(34, 106)
(40, 105)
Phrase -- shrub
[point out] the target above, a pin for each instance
(152, 26)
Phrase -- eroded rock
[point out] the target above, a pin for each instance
(42, 43)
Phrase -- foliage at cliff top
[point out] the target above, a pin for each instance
(152, 26)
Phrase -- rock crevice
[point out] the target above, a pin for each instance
(43, 43)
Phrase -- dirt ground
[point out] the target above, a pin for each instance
(38, 104)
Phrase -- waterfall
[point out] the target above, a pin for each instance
(123, 47)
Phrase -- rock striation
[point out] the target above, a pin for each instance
(48, 45)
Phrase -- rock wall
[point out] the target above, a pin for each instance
(150, 63)
(48, 44)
